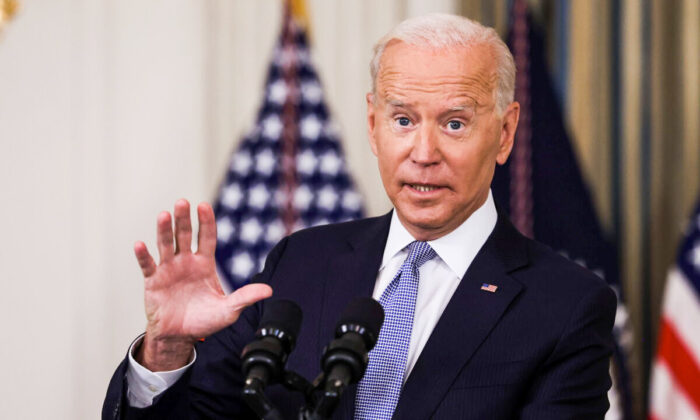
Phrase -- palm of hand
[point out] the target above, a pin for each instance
(183, 297)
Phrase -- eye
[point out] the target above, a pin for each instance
(455, 125)
(403, 121)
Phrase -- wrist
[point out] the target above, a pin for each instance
(160, 354)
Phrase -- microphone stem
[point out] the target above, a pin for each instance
(338, 379)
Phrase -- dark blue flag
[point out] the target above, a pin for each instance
(543, 190)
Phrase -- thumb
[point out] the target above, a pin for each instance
(248, 295)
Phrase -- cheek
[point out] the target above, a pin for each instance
(387, 163)
(474, 162)
(389, 168)
(391, 150)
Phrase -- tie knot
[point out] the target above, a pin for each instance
(419, 253)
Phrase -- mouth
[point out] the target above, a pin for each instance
(424, 187)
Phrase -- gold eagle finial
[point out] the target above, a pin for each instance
(8, 9)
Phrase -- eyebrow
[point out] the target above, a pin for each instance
(456, 108)
(396, 102)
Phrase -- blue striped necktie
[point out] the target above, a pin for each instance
(379, 390)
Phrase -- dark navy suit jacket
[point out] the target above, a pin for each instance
(537, 348)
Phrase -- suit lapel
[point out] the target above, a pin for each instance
(351, 274)
(467, 320)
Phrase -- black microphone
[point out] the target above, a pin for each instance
(264, 358)
(345, 359)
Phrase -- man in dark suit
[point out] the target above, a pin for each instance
(483, 324)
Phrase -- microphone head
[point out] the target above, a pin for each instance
(363, 315)
(281, 318)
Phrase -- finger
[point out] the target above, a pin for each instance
(206, 239)
(248, 295)
(165, 236)
(148, 266)
(183, 227)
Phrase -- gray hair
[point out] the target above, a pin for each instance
(441, 31)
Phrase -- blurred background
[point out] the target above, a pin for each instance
(112, 110)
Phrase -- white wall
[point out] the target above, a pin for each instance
(109, 111)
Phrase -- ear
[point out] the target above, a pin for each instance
(510, 123)
(371, 113)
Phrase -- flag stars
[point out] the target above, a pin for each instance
(303, 55)
(303, 197)
(274, 232)
(351, 200)
(311, 127)
(311, 92)
(327, 198)
(241, 162)
(242, 265)
(258, 197)
(251, 231)
(291, 56)
(623, 332)
(320, 222)
(224, 229)
(695, 256)
(265, 162)
(330, 163)
(306, 162)
(231, 196)
(277, 92)
(272, 127)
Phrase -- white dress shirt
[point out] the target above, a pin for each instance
(440, 276)
(144, 385)
(439, 279)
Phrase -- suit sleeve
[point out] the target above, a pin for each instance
(574, 380)
(211, 389)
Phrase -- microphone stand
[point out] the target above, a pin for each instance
(254, 395)
(257, 400)
(324, 407)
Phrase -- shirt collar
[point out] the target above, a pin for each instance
(458, 248)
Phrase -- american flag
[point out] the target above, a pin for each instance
(489, 287)
(289, 172)
(675, 382)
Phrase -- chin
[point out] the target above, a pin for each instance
(425, 219)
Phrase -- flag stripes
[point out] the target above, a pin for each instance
(667, 402)
(675, 381)
(680, 361)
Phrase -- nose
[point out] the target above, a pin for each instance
(425, 150)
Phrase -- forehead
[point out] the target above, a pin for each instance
(459, 72)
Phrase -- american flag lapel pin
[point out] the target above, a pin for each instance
(489, 287)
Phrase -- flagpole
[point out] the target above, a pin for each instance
(290, 132)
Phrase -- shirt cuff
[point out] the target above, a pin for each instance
(144, 385)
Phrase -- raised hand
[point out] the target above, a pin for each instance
(183, 297)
